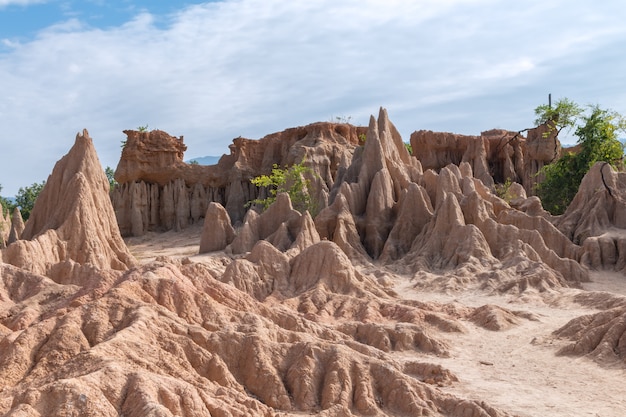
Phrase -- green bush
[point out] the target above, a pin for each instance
(290, 180)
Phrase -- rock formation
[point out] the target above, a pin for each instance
(72, 220)
(217, 232)
(442, 221)
(158, 191)
(601, 336)
(494, 156)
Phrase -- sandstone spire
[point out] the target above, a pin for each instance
(72, 218)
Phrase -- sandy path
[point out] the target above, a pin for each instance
(517, 369)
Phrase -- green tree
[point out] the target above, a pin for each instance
(564, 115)
(598, 141)
(290, 180)
(26, 197)
(111, 177)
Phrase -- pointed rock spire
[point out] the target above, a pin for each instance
(73, 218)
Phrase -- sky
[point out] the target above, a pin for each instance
(213, 71)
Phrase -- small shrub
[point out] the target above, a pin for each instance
(504, 190)
(287, 180)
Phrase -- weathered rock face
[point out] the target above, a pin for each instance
(169, 339)
(72, 220)
(494, 156)
(601, 336)
(158, 191)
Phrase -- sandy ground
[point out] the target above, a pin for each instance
(516, 370)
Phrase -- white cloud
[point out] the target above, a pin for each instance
(5, 3)
(215, 71)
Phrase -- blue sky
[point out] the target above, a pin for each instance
(212, 71)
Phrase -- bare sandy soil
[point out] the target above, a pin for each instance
(517, 370)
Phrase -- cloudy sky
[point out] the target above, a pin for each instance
(212, 71)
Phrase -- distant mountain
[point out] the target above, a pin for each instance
(205, 160)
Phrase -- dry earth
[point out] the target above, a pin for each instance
(515, 369)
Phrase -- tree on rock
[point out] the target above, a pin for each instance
(564, 115)
(598, 141)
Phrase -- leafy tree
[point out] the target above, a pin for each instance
(288, 180)
(111, 177)
(598, 141)
(563, 115)
(26, 197)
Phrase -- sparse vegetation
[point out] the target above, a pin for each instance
(140, 129)
(408, 147)
(598, 141)
(503, 190)
(290, 180)
(341, 119)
